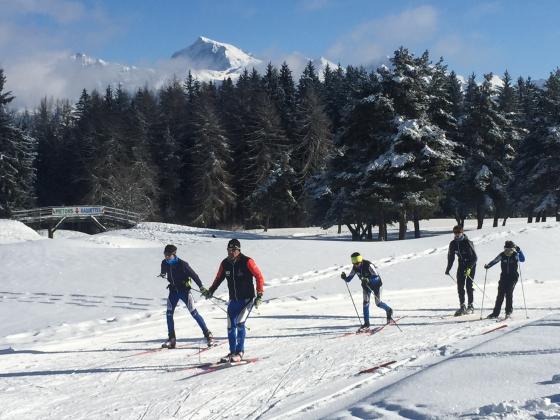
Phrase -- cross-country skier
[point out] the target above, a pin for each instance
(371, 282)
(464, 249)
(179, 275)
(239, 271)
(510, 259)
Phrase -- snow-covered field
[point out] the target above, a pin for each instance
(79, 313)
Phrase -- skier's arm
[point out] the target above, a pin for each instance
(350, 275)
(162, 271)
(473, 253)
(494, 261)
(450, 258)
(257, 275)
(191, 273)
(220, 276)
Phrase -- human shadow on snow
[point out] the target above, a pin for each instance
(165, 368)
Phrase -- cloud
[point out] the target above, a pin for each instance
(371, 41)
(62, 11)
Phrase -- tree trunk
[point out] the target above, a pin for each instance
(402, 225)
(538, 217)
(558, 214)
(339, 228)
(543, 218)
(495, 224)
(416, 224)
(369, 234)
(479, 217)
(353, 231)
(504, 222)
(381, 235)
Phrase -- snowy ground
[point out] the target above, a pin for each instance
(80, 312)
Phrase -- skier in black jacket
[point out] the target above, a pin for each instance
(179, 275)
(510, 259)
(464, 249)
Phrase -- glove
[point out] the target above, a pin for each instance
(486, 266)
(209, 292)
(257, 301)
(162, 275)
(468, 272)
(447, 272)
(517, 249)
(204, 291)
(343, 275)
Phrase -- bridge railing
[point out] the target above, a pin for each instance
(55, 213)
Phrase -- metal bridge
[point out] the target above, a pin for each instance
(52, 218)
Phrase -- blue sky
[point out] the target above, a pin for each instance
(472, 36)
(477, 36)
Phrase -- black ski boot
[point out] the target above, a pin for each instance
(209, 338)
(169, 344)
(470, 309)
(364, 327)
(389, 315)
(461, 311)
(492, 316)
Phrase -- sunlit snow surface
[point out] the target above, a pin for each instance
(79, 311)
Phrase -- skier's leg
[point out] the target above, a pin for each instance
(502, 287)
(461, 285)
(234, 307)
(512, 281)
(241, 331)
(172, 300)
(366, 298)
(380, 304)
(189, 301)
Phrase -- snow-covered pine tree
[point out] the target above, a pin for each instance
(420, 157)
(214, 199)
(359, 197)
(52, 124)
(268, 176)
(508, 107)
(17, 159)
(538, 164)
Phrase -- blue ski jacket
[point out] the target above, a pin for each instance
(179, 275)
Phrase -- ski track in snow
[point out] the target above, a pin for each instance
(48, 373)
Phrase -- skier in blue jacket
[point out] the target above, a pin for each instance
(179, 274)
(371, 282)
(510, 259)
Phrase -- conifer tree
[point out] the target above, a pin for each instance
(214, 197)
(17, 158)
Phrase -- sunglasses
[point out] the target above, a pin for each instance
(231, 249)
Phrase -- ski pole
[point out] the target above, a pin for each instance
(523, 290)
(482, 306)
(213, 297)
(356, 309)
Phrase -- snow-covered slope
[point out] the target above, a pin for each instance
(81, 314)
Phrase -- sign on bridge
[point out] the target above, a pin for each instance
(70, 211)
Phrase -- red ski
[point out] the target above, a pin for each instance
(180, 347)
(213, 367)
(377, 367)
(495, 329)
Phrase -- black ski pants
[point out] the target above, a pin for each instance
(505, 289)
(463, 281)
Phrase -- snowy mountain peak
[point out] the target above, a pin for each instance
(86, 60)
(208, 54)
